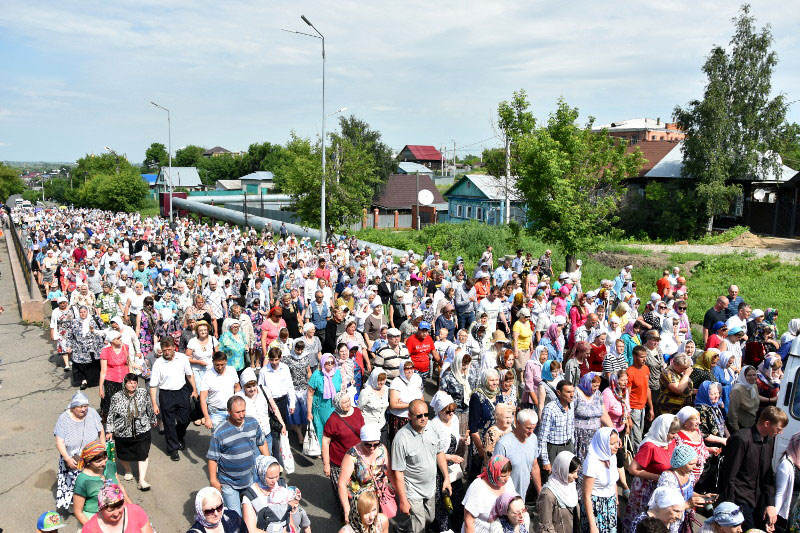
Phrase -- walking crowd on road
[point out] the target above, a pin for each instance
(499, 397)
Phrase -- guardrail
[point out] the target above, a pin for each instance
(22, 254)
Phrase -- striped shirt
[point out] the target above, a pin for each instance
(235, 450)
(558, 426)
(614, 362)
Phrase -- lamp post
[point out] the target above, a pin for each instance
(169, 155)
(322, 198)
(116, 156)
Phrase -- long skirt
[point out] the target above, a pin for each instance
(300, 415)
(641, 490)
(334, 477)
(133, 448)
(605, 514)
(65, 484)
(88, 372)
(110, 388)
(442, 519)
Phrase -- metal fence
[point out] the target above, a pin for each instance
(22, 254)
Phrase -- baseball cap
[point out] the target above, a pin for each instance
(49, 521)
(424, 325)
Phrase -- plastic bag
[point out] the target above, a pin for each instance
(286, 454)
(311, 447)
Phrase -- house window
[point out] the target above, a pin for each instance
(479, 213)
(469, 211)
(460, 211)
(739, 208)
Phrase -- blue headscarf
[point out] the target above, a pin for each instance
(546, 374)
(703, 397)
(585, 383)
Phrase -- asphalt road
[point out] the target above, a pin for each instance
(34, 391)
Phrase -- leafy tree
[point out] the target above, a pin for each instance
(495, 159)
(361, 136)
(124, 191)
(666, 211)
(155, 157)
(263, 156)
(788, 144)
(222, 167)
(350, 183)
(188, 156)
(571, 179)
(10, 182)
(91, 165)
(31, 195)
(731, 130)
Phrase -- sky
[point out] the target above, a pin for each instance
(79, 75)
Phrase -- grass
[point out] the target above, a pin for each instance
(150, 209)
(763, 281)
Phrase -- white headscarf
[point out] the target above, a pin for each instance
(792, 331)
(686, 413)
(565, 492)
(742, 382)
(659, 430)
(664, 497)
(456, 368)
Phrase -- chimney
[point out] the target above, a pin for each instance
(658, 121)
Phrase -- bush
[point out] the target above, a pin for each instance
(666, 212)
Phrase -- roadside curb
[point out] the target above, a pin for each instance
(31, 309)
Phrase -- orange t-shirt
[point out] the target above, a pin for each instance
(638, 379)
(663, 285)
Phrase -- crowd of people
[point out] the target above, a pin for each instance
(433, 396)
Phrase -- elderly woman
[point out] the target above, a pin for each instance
(690, 435)
(481, 416)
(83, 342)
(679, 476)
(117, 514)
(454, 446)
(768, 380)
(234, 344)
(703, 369)
(558, 501)
(146, 325)
(600, 476)
(313, 346)
(590, 413)
(113, 368)
(211, 515)
(522, 336)
(342, 432)
(503, 420)
(130, 420)
(266, 505)
(60, 321)
(494, 481)
(458, 379)
(300, 370)
(712, 428)
(727, 518)
(324, 384)
(676, 384)
(76, 427)
(374, 400)
(726, 376)
(365, 466)
(743, 408)
(405, 388)
(667, 505)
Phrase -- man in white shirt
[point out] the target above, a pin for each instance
(740, 319)
(218, 383)
(277, 381)
(491, 305)
(170, 374)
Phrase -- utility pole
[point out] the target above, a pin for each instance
(454, 158)
(416, 201)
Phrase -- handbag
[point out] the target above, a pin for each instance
(628, 452)
(311, 447)
(387, 497)
(286, 454)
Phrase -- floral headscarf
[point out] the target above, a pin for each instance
(765, 372)
(585, 383)
(110, 494)
(200, 516)
(491, 472)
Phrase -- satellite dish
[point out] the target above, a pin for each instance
(759, 194)
(425, 197)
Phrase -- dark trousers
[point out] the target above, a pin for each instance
(282, 403)
(466, 319)
(175, 408)
(753, 518)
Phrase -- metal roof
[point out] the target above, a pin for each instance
(259, 175)
(183, 177)
(490, 186)
(409, 167)
(423, 152)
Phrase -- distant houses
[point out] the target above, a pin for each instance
(425, 155)
(185, 177)
(482, 198)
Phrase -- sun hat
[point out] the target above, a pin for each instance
(726, 514)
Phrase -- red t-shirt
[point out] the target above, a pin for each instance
(419, 350)
(596, 356)
(344, 434)
(117, 363)
(655, 459)
(322, 273)
(663, 285)
(638, 379)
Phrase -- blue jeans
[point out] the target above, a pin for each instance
(232, 498)
(217, 416)
(465, 319)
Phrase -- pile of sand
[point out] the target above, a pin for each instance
(747, 240)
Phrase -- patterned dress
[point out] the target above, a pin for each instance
(670, 479)
(257, 319)
(298, 368)
(146, 333)
(587, 422)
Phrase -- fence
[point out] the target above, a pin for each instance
(22, 253)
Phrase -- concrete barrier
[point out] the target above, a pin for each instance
(33, 308)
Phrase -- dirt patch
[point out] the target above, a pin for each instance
(618, 260)
(747, 240)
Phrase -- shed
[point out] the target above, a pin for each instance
(182, 177)
(255, 182)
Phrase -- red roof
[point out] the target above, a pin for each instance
(652, 151)
(424, 153)
(400, 191)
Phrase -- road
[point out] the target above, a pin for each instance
(34, 391)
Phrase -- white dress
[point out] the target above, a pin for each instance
(479, 500)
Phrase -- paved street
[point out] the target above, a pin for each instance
(35, 391)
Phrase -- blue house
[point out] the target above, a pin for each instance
(482, 198)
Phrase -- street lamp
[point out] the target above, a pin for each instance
(115, 154)
(169, 154)
(322, 198)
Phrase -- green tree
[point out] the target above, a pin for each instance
(263, 156)
(155, 157)
(188, 156)
(731, 130)
(222, 167)
(91, 165)
(788, 144)
(495, 159)
(350, 183)
(124, 191)
(10, 182)
(360, 135)
(571, 179)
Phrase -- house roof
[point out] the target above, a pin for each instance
(653, 152)
(409, 167)
(259, 175)
(489, 186)
(229, 185)
(424, 152)
(183, 177)
(216, 150)
(400, 191)
(634, 124)
(150, 178)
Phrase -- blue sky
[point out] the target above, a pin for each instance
(79, 75)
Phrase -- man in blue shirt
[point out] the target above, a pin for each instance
(521, 447)
(232, 453)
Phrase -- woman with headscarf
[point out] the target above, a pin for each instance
(96, 469)
(481, 416)
(708, 403)
(787, 487)
(788, 338)
(365, 466)
(690, 435)
(680, 477)
(76, 427)
(146, 324)
(266, 504)
(374, 400)
(551, 375)
(509, 515)
(558, 501)
(117, 513)
(342, 432)
(364, 516)
(666, 505)
(760, 344)
(617, 404)
(271, 326)
(744, 402)
(600, 476)
(631, 338)
(130, 419)
(211, 515)
(454, 446)
(768, 380)
(726, 377)
(703, 369)
(456, 381)
(553, 341)
(405, 388)
(83, 341)
(234, 345)
(590, 413)
(300, 370)
(324, 384)
(483, 492)
(113, 368)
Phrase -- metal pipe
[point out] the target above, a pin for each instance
(238, 198)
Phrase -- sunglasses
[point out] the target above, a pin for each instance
(371, 445)
(449, 411)
(421, 415)
(682, 309)
(214, 510)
